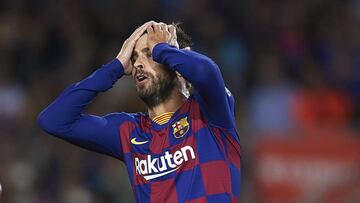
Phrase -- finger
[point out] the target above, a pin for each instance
(172, 30)
(145, 25)
(150, 30)
(137, 35)
(163, 27)
(149, 23)
(157, 27)
(140, 30)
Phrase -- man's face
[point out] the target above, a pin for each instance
(154, 82)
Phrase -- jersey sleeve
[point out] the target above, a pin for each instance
(205, 76)
(65, 119)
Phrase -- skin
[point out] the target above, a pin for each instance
(135, 55)
(142, 62)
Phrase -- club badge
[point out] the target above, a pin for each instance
(180, 128)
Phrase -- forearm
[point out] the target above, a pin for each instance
(196, 68)
(61, 114)
(205, 77)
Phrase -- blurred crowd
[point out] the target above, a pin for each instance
(292, 65)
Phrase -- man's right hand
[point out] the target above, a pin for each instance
(128, 47)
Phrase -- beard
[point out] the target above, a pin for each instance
(159, 90)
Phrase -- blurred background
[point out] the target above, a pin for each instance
(294, 67)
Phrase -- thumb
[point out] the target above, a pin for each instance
(172, 31)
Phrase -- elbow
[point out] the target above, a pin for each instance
(209, 66)
(208, 70)
(46, 123)
(43, 122)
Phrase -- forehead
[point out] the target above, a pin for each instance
(141, 43)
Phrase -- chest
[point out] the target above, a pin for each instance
(163, 152)
(159, 139)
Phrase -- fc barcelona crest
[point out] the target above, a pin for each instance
(180, 128)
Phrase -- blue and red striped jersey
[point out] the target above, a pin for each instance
(194, 157)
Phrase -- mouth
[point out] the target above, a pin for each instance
(141, 78)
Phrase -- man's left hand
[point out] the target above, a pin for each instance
(161, 33)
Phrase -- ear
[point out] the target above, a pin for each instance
(184, 85)
(181, 79)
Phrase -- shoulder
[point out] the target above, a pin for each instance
(228, 97)
(120, 117)
(218, 114)
(230, 100)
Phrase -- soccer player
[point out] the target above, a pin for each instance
(185, 148)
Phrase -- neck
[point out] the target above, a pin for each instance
(170, 105)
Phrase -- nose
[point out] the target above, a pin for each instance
(138, 64)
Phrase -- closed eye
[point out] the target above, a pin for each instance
(133, 58)
(147, 52)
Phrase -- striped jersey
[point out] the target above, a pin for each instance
(192, 155)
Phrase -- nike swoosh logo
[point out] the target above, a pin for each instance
(149, 177)
(133, 141)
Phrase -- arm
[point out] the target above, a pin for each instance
(65, 119)
(206, 78)
(215, 100)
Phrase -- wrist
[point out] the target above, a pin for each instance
(117, 67)
(121, 60)
(158, 50)
(125, 65)
(151, 47)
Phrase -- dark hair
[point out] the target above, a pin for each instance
(183, 39)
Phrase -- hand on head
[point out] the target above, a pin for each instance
(157, 33)
(161, 33)
(128, 47)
